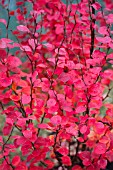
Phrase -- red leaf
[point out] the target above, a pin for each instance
(7, 129)
(63, 151)
(3, 54)
(1, 139)
(14, 61)
(99, 127)
(19, 3)
(59, 29)
(20, 140)
(102, 163)
(86, 162)
(66, 160)
(5, 82)
(15, 160)
(21, 166)
(111, 45)
(3, 68)
(11, 12)
(77, 167)
(49, 163)
(15, 98)
(22, 83)
(9, 121)
(100, 148)
(43, 126)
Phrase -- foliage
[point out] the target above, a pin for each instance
(54, 89)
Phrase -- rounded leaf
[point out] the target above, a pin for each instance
(26, 99)
(51, 102)
(27, 133)
(66, 160)
(15, 160)
(14, 61)
(100, 148)
(5, 82)
(23, 28)
(56, 120)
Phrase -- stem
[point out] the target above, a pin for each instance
(92, 23)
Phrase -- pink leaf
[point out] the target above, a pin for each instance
(49, 46)
(56, 120)
(106, 39)
(64, 77)
(7, 40)
(60, 51)
(43, 126)
(26, 99)
(25, 48)
(83, 129)
(103, 30)
(79, 66)
(72, 130)
(96, 6)
(80, 109)
(51, 102)
(32, 43)
(27, 133)
(23, 28)
(3, 44)
(111, 45)
(34, 76)
(109, 19)
(3, 21)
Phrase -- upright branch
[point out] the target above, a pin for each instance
(92, 24)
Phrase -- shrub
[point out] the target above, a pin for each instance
(56, 86)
